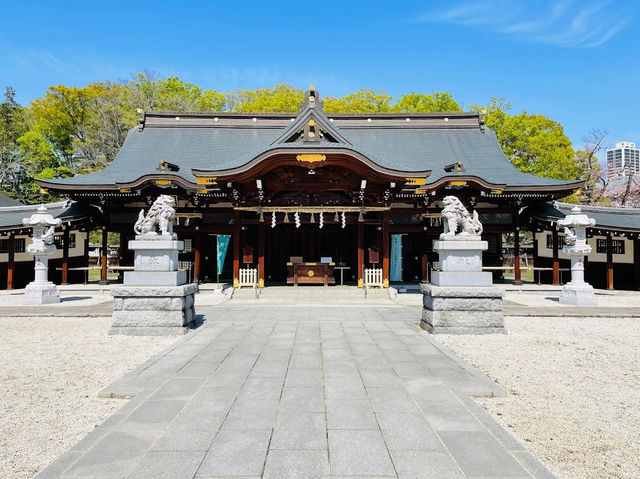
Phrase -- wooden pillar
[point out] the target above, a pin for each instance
(385, 248)
(237, 229)
(636, 261)
(103, 259)
(425, 267)
(261, 273)
(517, 276)
(360, 254)
(609, 262)
(65, 256)
(11, 264)
(197, 260)
(556, 263)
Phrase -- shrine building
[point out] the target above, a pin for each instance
(314, 196)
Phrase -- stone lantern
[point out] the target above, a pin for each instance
(41, 290)
(577, 292)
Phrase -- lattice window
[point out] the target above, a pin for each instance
(18, 245)
(495, 218)
(404, 219)
(617, 246)
(550, 241)
(58, 240)
(188, 245)
(123, 217)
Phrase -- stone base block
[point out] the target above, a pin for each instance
(149, 331)
(41, 293)
(155, 278)
(461, 278)
(462, 310)
(153, 310)
(580, 294)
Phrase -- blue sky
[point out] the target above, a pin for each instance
(575, 61)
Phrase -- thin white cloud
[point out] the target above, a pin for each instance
(566, 23)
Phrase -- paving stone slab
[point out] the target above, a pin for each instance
(359, 453)
(236, 453)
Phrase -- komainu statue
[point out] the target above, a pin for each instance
(457, 220)
(160, 217)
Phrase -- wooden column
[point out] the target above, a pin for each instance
(517, 276)
(636, 261)
(385, 248)
(556, 263)
(360, 254)
(261, 273)
(103, 259)
(197, 260)
(609, 262)
(11, 264)
(237, 230)
(65, 256)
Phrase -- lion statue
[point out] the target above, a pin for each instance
(457, 220)
(160, 217)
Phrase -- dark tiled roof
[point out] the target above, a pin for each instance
(222, 141)
(12, 216)
(627, 219)
(7, 201)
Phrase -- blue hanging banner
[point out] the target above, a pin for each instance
(395, 273)
(222, 246)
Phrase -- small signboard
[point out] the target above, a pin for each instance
(374, 255)
(247, 255)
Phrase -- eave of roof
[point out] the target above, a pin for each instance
(623, 219)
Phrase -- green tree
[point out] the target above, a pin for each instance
(12, 126)
(363, 101)
(534, 143)
(420, 103)
(281, 98)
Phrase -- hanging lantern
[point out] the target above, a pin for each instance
(312, 220)
(335, 218)
(286, 217)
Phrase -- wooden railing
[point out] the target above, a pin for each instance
(373, 278)
(248, 277)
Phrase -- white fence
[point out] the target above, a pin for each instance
(248, 277)
(373, 278)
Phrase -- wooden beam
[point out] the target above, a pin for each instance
(11, 264)
(556, 263)
(103, 259)
(609, 262)
(65, 256)
(197, 246)
(261, 272)
(360, 254)
(385, 248)
(237, 229)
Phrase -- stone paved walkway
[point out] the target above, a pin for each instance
(304, 391)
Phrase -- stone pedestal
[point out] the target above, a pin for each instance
(154, 299)
(461, 298)
(153, 310)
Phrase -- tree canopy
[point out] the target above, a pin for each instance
(78, 130)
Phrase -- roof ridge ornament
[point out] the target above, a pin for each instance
(311, 100)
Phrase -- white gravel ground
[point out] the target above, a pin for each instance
(51, 370)
(574, 390)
